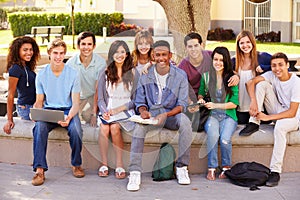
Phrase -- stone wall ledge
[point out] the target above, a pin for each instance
(23, 129)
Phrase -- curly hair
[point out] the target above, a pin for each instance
(111, 70)
(13, 56)
(146, 35)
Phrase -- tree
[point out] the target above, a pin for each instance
(185, 16)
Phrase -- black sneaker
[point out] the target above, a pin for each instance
(249, 129)
(273, 179)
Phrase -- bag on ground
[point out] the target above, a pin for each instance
(163, 168)
(248, 174)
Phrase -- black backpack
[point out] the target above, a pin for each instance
(163, 168)
(248, 174)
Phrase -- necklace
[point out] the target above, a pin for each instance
(27, 83)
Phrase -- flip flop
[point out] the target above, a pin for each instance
(211, 175)
(120, 173)
(103, 171)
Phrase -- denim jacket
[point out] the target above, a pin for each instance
(174, 94)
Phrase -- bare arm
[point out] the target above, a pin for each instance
(93, 121)
(250, 85)
(39, 102)
(73, 111)
(290, 113)
(224, 106)
(12, 87)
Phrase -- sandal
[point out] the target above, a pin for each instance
(103, 171)
(223, 175)
(211, 174)
(120, 173)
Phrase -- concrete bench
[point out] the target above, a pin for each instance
(17, 147)
(46, 31)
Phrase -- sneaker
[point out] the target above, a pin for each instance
(249, 129)
(183, 175)
(38, 179)
(78, 172)
(273, 179)
(134, 181)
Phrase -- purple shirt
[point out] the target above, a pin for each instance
(194, 74)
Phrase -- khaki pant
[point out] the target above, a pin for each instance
(86, 109)
(265, 95)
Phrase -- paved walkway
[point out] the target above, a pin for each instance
(15, 184)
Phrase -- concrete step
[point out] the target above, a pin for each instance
(17, 147)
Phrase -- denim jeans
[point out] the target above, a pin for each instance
(40, 139)
(219, 127)
(24, 111)
(178, 122)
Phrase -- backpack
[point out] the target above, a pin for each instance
(248, 174)
(163, 168)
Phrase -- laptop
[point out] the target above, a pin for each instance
(46, 115)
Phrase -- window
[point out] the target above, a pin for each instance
(257, 16)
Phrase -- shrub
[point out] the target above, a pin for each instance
(21, 23)
(124, 29)
(269, 37)
(220, 34)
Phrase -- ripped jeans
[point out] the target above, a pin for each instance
(219, 127)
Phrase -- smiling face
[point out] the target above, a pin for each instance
(26, 52)
(162, 56)
(57, 55)
(120, 55)
(193, 48)
(245, 45)
(218, 62)
(86, 46)
(280, 68)
(143, 46)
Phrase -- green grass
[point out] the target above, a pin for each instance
(288, 48)
(270, 47)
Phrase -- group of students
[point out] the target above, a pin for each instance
(148, 83)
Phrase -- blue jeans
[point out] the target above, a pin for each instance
(24, 111)
(178, 122)
(219, 127)
(40, 139)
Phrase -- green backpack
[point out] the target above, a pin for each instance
(163, 168)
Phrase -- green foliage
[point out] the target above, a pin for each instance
(117, 18)
(21, 23)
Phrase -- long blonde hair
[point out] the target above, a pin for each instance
(143, 34)
(240, 57)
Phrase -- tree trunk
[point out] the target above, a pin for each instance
(73, 25)
(185, 16)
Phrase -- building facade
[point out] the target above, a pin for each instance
(258, 16)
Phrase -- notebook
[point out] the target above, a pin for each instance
(139, 119)
(119, 117)
(46, 115)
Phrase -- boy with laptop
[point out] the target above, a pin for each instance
(57, 88)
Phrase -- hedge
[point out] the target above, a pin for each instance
(21, 23)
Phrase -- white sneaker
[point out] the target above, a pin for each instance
(134, 181)
(183, 175)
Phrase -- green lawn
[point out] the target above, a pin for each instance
(288, 48)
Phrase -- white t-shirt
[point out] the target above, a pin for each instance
(161, 82)
(286, 91)
(244, 99)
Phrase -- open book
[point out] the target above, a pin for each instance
(118, 117)
(138, 119)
